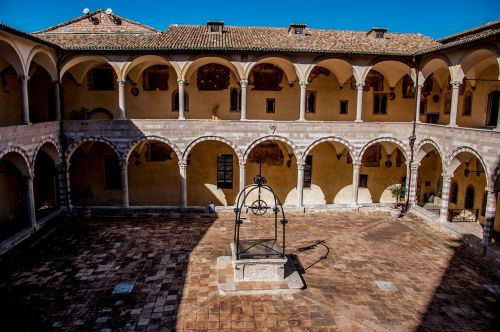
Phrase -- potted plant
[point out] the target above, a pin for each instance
(397, 191)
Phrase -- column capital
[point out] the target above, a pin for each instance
(182, 164)
(415, 166)
(303, 84)
(181, 82)
(419, 86)
(455, 84)
(447, 177)
(24, 78)
(57, 82)
(243, 83)
(356, 165)
(489, 190)
(124, 164)
(121, 82)
(360, 86)
(300, 166)
(242, 163)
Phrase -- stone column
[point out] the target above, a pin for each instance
(183, 176)
(489, 216)
(63, 190)
(57, 98)
(182, 105)
(124, 174)
(31, 203)
(445, 197)
(121, 99)
(300, 183)
(359, 101)
(242, 175)
(355, 182)
(68, 187)
(243, 84)
(302, 110)
(25, 99)
(455, 86)
(498, 119)
(413, 183)
(417, 107)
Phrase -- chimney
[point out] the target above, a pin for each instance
(377, 33)
(215, 26)
(297, 29)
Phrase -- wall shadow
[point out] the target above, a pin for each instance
(466, 298)
(65, 280)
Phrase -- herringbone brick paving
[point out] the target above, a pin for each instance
(64, 282)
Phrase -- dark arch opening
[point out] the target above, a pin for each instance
(45, 185)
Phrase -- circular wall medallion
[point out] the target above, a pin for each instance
(435, 98)
(134, 91)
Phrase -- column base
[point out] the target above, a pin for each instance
(358, 120)
(452, 125)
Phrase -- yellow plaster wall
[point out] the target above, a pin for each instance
(329, 177)
(153, 182)
(88, 172)
(379, 179)
(76, 97)
(328, 97)
(202, 175)
(10, 102)
(429, 171)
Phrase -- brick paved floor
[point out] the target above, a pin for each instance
(65, 281)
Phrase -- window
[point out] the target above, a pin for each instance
(175, 101)
(311, 101)
(308, 171)
(101, 79)
(453, 191)
(235, 100)
(112, 172)
(270, 105)
(423, 106)
(493, 107)
(344, 106)
(447, 103)
(469, 197)
(380, 103)
(225, 171)
(363, 181)
(155, 78)
(467, 104)
(432, 118)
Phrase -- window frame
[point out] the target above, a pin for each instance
(308, 171)
(380, 106)
(271, 110)
(346, 103)
(225, 171)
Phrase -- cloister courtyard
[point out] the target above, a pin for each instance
(363, 272)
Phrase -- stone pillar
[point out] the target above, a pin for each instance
(413, 183)
(243, 84)
(489, 216)
(359, 101)
(57, 98)
(300, 183)
(242, 175)
(302, 110)
(417, 107)
(121, 99)
(445, 197)
(183, 176)
(182, 104)
(355, 182)
(455, 86)
(124, 175)
(25, 99)
(498, 119)
(68, 187)
(31, 203)
(63, 190)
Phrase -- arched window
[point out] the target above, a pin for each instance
(175, 101)
(453, 191)
(467, 104)
(311, 102)
(493, 108)
(380, 103)
(235, 100)
(469, 197)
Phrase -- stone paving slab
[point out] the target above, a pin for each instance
(65, 281)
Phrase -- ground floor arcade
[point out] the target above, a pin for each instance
(331, 173)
